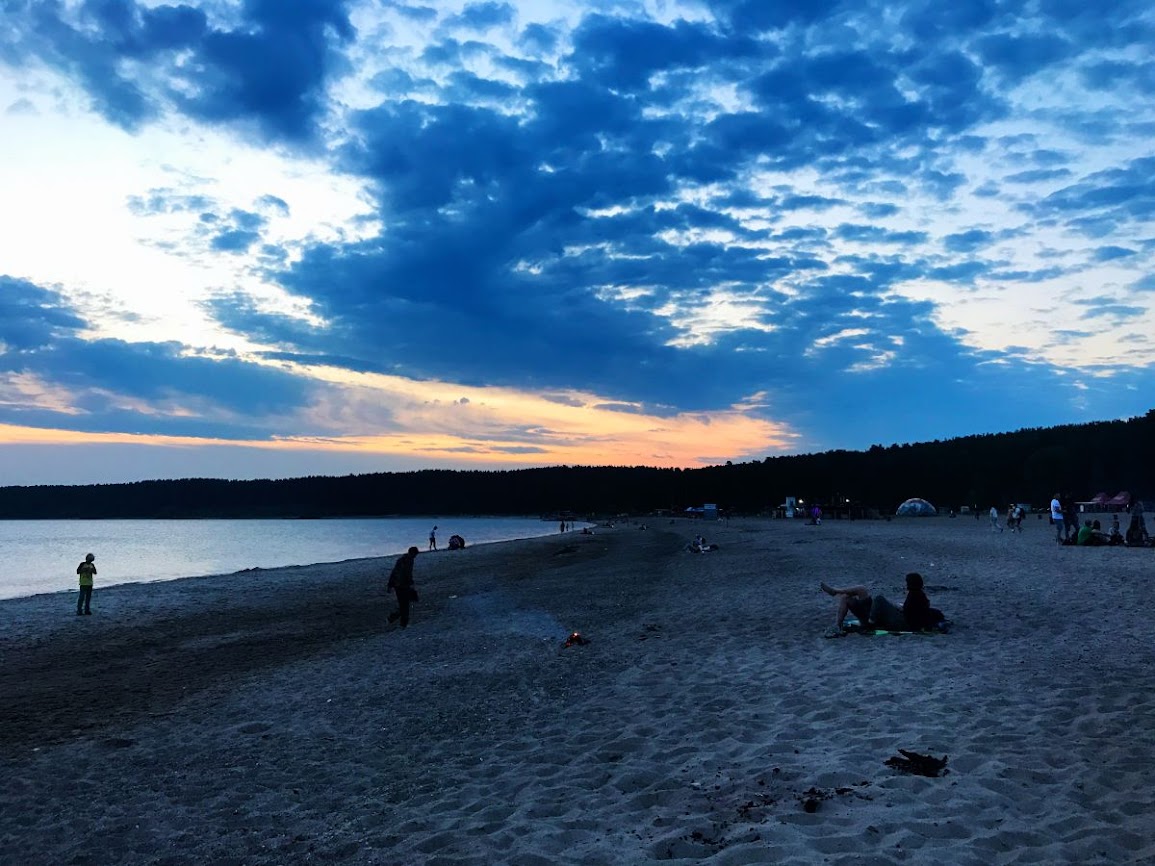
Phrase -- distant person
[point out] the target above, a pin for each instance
(1057, 517)
(1115, 536)
(86, 570)
(916, 614)
(401, 582)
(1071, 516)
(1015, 518)
(561, 527)
(995, 519)
(1136, 535)
(433, 538)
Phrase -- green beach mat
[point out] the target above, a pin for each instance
(876, 632)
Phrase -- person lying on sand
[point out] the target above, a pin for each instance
(873, 612)
(699, 545)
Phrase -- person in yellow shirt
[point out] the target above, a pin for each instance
(86, 570)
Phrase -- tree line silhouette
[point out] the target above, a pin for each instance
(1026, 466)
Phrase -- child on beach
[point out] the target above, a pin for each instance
(401, 582)
(86, 570)
(916, 614)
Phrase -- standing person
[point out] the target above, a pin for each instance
(401, 582)
(995, 519)
(1014, 518)
(1057, 517)
(1070, 516)
(433, 538)
(86, 570)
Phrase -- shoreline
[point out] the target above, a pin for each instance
(183, 724)
(40, 561)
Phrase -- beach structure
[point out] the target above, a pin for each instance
(916, 507)
(1121, 501)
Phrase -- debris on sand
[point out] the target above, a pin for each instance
(918, 765)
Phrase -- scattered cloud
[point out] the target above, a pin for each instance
(635, 217)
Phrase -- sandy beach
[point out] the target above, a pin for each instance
(274, 717)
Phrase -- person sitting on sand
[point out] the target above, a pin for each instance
(1090, 535)
(699, 545)
(916, 614)
(1136, 532)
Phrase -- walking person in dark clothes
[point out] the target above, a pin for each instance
(401, 582)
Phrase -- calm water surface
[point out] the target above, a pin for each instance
(42, 555)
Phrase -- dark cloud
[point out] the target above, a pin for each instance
(31, 317)
(1040, 275)
(624, 54)
(483, 16)
(745, 16)
(234, 241)
(1018, 56)
(41, 335)
(269, 71)
(1120, 194)
(1038, 175)
(1111, 253)
(968, 241)
(1100, 308)
(877, 235)
(539, 37)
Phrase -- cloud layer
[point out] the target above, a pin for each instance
(811, 224)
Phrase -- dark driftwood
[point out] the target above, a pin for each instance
(918, 765)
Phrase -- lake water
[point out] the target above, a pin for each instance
(41, 555)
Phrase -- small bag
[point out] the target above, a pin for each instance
(413, 594)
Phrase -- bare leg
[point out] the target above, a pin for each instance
(843, 596)
(855, 591)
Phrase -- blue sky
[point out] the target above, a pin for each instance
(264, 238)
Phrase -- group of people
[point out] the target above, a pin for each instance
(1015, 515)
(1091, 532)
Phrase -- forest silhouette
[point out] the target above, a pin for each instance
(1026, 466)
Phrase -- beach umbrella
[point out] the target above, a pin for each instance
(916, 508)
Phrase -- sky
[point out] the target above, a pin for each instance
(275, 238)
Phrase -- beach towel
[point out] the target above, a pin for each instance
(852, 626)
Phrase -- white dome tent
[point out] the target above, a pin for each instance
(916, 508)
